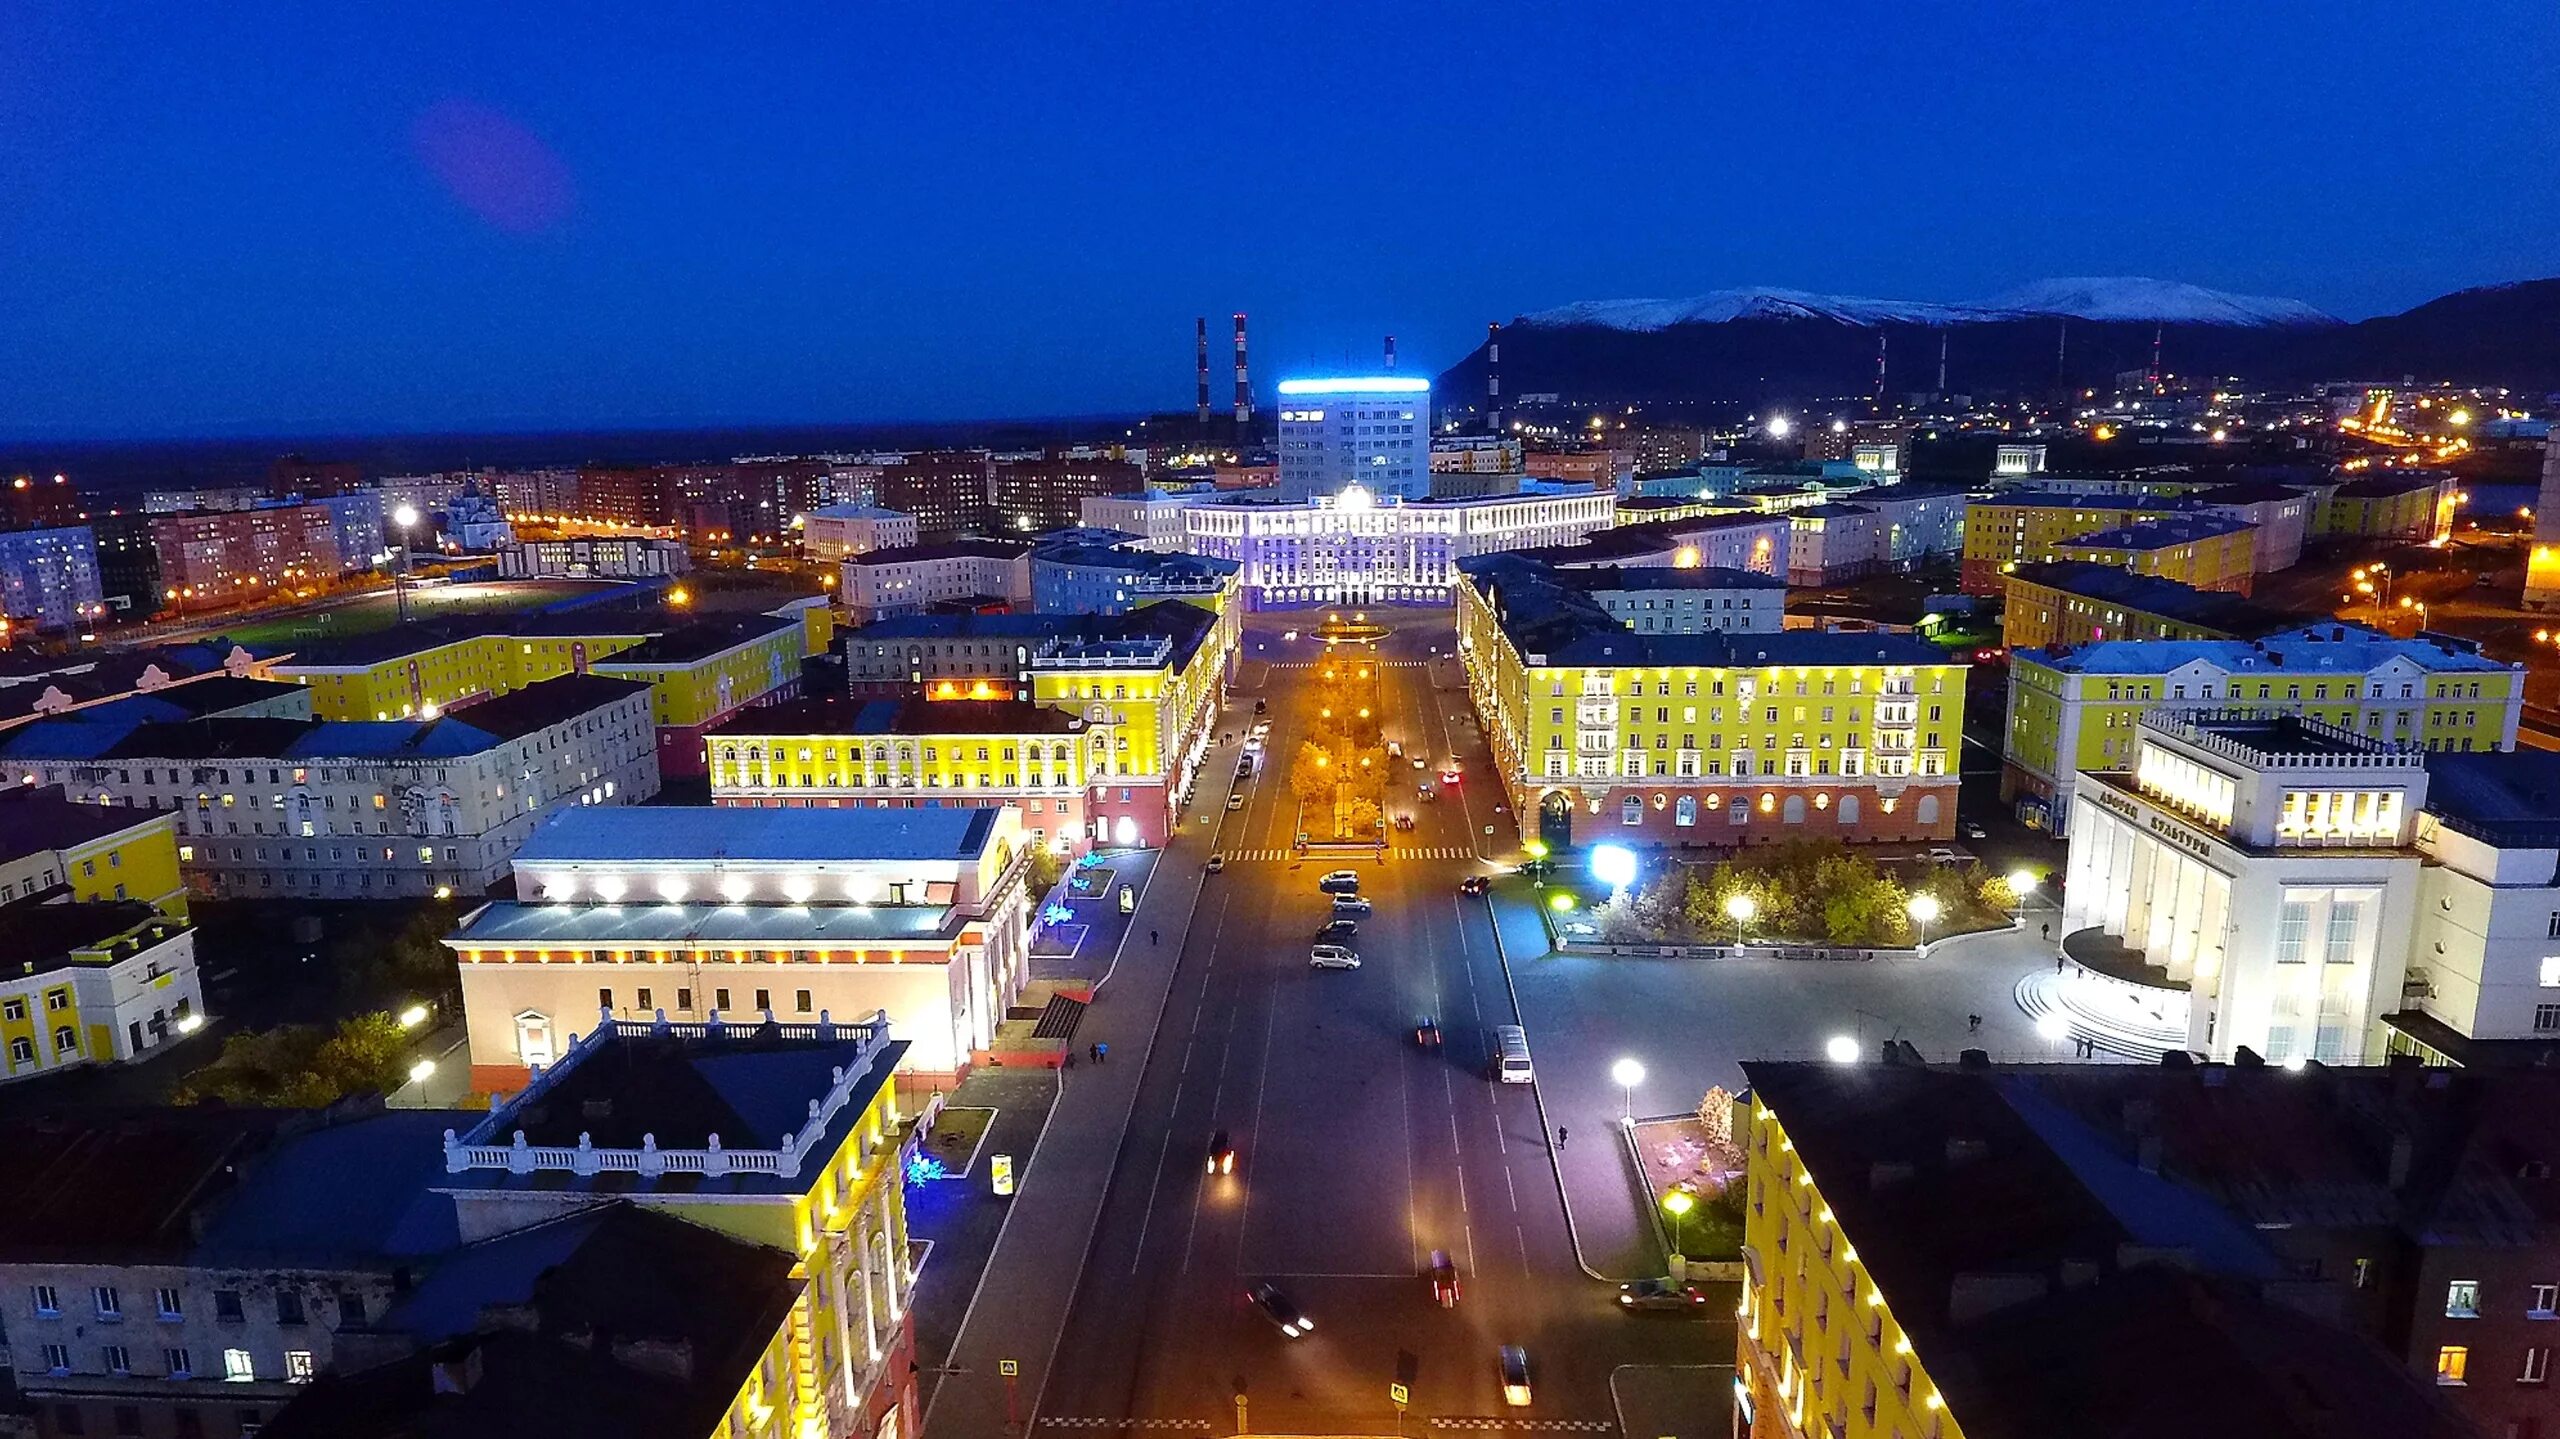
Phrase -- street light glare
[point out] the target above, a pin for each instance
(1742, 909)
(1840, 1049)
(1924, 908)
(1627, 1073)
(2022, 882)
(405, 516)
(1613, 865)
(2053, 1027)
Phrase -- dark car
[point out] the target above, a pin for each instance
(1514, 1363)
(1275, 1306)
(1339, 931)
(1261, 706)
(1222, 1154)
(1426, 1032)
(1474, 884)
(1444, 1279)
(1659, 1294)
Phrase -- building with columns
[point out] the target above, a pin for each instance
(744, 913)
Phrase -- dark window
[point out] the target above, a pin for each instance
(288, 1306)
(128, 1419)
(190, 1424)
(226, 1304)
(67, 1420)
(350, 1309)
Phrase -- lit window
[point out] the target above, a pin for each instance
(2462, 1299)
(2453, 1361)
(237, 1368)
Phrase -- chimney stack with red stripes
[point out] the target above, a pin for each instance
(1493, 379)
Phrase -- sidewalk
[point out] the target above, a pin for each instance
(1606, 1209)
(1020, 1308)
(961, 1215)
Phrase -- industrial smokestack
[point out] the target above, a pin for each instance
(1391, 354)
(1244, 382)
(1942, 362)
(1881, 339)
(1201, 328)
(2156, 332)
(1493, 379)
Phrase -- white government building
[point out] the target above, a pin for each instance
(1368, 431)
(2311, 894)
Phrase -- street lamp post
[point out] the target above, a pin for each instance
(1628, 1073)
(1677, 1204)
(404, 517)
(1923, 909)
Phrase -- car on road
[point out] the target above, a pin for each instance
(1449, 773)
(1217, 863)
(1395, 749)
(1444, 1279)
(1474, 884)
(1944, 856)
(1339, 931)
(1340, 881)
(1651, 1294)
(1514, 1363)
(1426, 1033)
(1404, 821)
(1350, 904)
(1332, 956)
(1222, 1154)
(1235, 801)
(1275, 1306)
(1420, 763)
(1971, 830)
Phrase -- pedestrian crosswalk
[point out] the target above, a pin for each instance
(1575, 1426)
(1200, 1425)
(1274, 856)
(1381, 664)
(1203, 1426)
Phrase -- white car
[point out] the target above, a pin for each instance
(1346, 881)
(1332, 956)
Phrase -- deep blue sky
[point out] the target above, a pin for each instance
(275, 218)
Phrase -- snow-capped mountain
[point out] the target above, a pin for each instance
(2109, 298)
(2172, 302)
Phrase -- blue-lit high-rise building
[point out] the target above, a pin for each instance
(1370, 430)
(49, 578)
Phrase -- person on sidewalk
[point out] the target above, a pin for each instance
(1151, 936)
(1561, 1133)
(1102, 1052)
(1973, 1024)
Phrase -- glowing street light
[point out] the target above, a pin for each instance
(1615, 866)
(413, 1016)
(1741, 908)
(1923, 910)
(2053, 1026)
(1677, 1204)
(406, 517)
(1840, 1049)
(1627, 1073)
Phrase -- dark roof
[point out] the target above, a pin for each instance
(834, 715)
(352, 1192)
(2383, 486)
(36, 818)
(538, 706)
(1830, 510)
(982, 549)
(2505, 796)
(2152, 595)
(1186, 625)
(2157, 534)
(1589, 578)
(2051, 1266)
(698, 640)
(2080, 500)
(750, 1092)
(109, 1186)
(1552, 620)
(620, 618)
(2246, 492)
(620, 1323)
(37, 938)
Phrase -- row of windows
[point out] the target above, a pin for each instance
(239, 1366)
(106, 1303)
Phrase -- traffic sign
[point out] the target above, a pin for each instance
(1008, 1367)
(1000, 1172)
(1401, 1395)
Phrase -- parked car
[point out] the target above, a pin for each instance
(1350, 904)
(1339, 931)
(1332, 956)
(1659, 1294)
(1275, 1306)
(1340, 881)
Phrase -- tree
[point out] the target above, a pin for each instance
(1047, 867)
(1311, 775)
(302, 1066)
(1715, 1116)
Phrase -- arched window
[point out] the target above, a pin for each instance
(1927, 812)
(1848, 809)
(1793, 811)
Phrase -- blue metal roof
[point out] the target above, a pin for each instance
(758, 834)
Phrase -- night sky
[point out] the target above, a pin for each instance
(220, 218)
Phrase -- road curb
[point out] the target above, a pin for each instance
(1653, 1202)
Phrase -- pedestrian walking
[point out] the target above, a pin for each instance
(1151, 936)
(1973, 1024)
(2048, 931)
(2059, 961)
(1093, 1052)
(1561, 1133)
(1102, 1052)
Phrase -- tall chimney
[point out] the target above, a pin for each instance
(1493, 379)
(1391, 354)
(1244, 383)
(1942, 362)
(1881, 339)
(1201, 326)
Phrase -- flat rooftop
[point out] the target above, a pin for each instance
(507, 924)
(757, 835)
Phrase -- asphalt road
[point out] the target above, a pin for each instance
(1357, 1152)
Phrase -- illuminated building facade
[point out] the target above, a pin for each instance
(2205, 552)
(1145, 684)
(2022, 527)
(2542, 569)
(1358, 548)
(1601, 732)
(836, 532)
(2077, 603)
(1370, 432)
(236, 557)
(747, 913)
(49, 579)
(2075, 709)
(356, 810)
